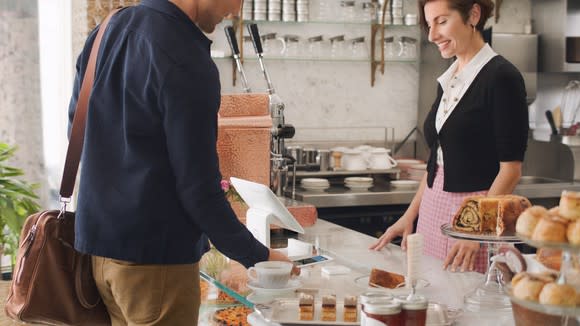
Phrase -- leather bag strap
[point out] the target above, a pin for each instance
(75, 145)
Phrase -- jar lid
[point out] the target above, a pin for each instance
(417, 302)
(382, 307)
(347, 3)
(371, 296)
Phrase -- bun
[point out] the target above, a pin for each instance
(495, 214)
(558, 294)
(528, 220)
(551, 258)
(528, 289)
(573, 232)
(550, 229)
(570, 205)
(381, 278)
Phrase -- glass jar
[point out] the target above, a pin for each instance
(374, 296)
(391, 47)
(293, 49)
(414, 310)
(387, 313)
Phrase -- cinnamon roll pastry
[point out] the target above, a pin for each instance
(492, 214)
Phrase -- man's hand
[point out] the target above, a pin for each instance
(277, 255)
(463, 253)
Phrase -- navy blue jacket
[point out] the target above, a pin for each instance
(150, 181)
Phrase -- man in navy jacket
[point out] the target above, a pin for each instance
(150, 182)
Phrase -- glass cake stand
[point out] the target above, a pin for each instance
(566, 276)
(492, 294)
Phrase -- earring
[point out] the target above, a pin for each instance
(473, 27)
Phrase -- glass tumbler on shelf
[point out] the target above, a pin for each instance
(368, 12)
(408, 47)
(316, 46)
(391, 47)
(293, 48)
(359, 48)
(337, 47)
(347, 11)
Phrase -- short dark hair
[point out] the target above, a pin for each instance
(463, 7)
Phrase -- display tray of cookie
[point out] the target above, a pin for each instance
(287, 311)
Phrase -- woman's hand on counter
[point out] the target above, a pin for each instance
(277, 255)
(401, 228)
(463, 253)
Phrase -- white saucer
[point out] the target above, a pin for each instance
(292, 285)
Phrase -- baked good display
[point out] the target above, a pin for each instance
(229, 316)
(350, 308)
(329, 307)
(528, 220)
(306, 306)
(551, 229)
(573, 233)
(489, 214)
(570, 205)
(381, 278)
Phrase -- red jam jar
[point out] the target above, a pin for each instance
(382, 313)
(414, 310)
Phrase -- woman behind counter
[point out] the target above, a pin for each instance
(476, 130)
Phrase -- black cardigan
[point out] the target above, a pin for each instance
(488, 125)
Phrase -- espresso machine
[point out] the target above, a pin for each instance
(280, 129)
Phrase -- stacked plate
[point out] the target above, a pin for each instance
(358, 183)
(315, 184)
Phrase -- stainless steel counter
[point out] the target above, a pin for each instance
(340, 196)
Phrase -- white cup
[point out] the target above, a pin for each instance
(354, 160)
(381, 160)
(270, 274)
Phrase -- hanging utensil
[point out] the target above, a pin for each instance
(231, 36)
(550, 118)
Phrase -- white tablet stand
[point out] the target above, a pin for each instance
(264, 209)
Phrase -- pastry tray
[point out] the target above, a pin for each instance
(285, 311)
(447, 229)
(556, 245)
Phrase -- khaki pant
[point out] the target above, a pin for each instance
(148, 294)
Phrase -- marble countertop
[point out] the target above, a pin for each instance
(349, 248)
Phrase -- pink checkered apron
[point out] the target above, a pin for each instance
(438, 207)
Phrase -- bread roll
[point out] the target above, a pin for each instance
(570, 205)
(573, 232)
(528, 220)
(551, 258)
(528, 289)
(558, 294)
(550, 229)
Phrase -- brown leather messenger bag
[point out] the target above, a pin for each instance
(53, 283)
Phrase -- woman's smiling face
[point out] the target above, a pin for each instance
(447, 29)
